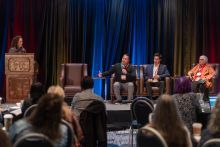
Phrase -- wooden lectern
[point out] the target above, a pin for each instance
(19, 71)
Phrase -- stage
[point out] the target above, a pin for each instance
(118, 116)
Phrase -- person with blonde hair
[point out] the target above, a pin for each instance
(167, 121)
(68, 114)
(56, 89)
(213, 129)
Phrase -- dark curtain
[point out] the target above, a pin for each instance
(99, 32)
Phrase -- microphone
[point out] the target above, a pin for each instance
(123, 67)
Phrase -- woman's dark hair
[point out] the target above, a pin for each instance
(182, 85)
(47, 116)
(87, 83)
(36, 92)
(167, 121)
(14, 41)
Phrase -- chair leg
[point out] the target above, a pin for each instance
(132, 131)
(129, 139)
(112, 98)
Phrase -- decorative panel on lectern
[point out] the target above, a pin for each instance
(19, 70)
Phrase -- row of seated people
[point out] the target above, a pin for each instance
(51, 115)
(184, 99)
(154, 78)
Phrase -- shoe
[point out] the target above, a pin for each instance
(117, 101)
(126, 101)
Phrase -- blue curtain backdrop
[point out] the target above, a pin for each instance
(99, 32)
(110, 28)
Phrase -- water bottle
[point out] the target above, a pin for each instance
(202, 104)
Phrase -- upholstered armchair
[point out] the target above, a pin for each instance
(155, 90)
(214, 90)
(71, 75)
(124, 92)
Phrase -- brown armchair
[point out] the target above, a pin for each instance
(214, 90)
(71, 75)
(155, 90)
(124, 92)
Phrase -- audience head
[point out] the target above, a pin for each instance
(4, 140)
(36, 92)
(157, 58)
(165, 113)
(47, 116)
(87, 83)
(203, 59)
(182, 85)
(214, 123)
(56, 90)
(17, 42)
(125, 59)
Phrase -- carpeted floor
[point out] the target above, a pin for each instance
(120, 138)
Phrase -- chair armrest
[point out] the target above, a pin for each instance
(167, 83)
(62, 75)
(62, 81)
(111, 85)
(137, 85)
(141, 85)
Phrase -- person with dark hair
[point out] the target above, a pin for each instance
(36, 92)
(17, 45)
(154, 75)
(201, 76)
(124, 78)
(45, 119)
(167, 121)
(82, 99)
(68, 115)
(187, 102)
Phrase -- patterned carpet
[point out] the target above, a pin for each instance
(120, 138)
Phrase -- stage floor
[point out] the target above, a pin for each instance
(118, 116)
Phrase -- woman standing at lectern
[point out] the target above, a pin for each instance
(17, 45)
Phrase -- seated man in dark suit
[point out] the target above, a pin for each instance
(124, 77)
(155, 74)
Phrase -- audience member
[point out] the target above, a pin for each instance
(187, 102)
(46, 119)
(36, 92)
(82, 99)
(168, 123)
(68, 115)
(213, 130)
